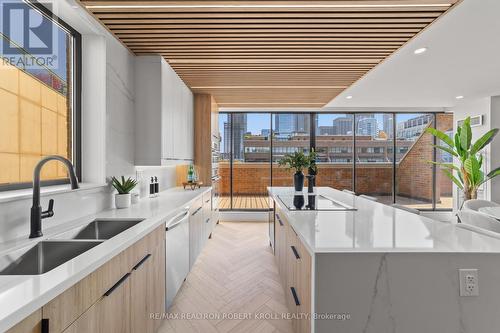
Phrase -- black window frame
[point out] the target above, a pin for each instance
(76, 116)
(312, 140)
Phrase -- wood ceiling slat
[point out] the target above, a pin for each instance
(117, 22)
(356, 15)
(273, 53)
(282, 26)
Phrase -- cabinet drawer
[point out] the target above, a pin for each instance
(72, 303)
(30, 324)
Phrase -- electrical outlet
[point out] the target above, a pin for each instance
(469, 282)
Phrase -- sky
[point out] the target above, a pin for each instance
(258, 121)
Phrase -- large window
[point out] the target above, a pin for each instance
(335, 147)
(414, 173)
(374, 155)
(384, 155)
(39, 93)
(291, 133)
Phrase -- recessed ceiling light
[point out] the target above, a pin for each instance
(420, 50)
(459, 97)
(349, 97)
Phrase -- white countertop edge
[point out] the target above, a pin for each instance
(96, 260)
(27, 193)
(381, 250)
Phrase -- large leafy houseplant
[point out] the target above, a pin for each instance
(469, 175)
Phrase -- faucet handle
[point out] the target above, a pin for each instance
(50, 211)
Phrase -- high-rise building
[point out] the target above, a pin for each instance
(239, 121)
(292, 123)
(387, 125)
(413, 127)
(239, 129)
(342, 125)
(325, 130)
(367, 126)
(227, 138)
(302, 123)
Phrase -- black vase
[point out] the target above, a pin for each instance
(298, 181)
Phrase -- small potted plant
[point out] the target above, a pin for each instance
(123, 186)
(297, 161)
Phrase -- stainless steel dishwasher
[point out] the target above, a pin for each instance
(177, 254)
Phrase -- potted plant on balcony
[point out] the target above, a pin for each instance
(123, 186)
(469, 170)
(297, 161)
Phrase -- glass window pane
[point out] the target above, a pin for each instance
(374, 156)
(36, 95)
(224, 165)
(334, 146)
(251, 160)
(291, 133)
(444, 185)
(414, 150)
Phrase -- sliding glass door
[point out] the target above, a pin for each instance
(290, 134)
(374, 155)
(334, 145)
(414, 150)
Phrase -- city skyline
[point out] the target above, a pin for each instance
(258, 123)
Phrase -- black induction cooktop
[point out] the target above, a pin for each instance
(309, 202)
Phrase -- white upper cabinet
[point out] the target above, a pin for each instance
(164, 114)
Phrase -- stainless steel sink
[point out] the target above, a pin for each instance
(43, 257)
(100, 229)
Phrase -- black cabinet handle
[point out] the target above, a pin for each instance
(279, 220)
(295, 297)
(45, 325)
(208, 220)
(116, 285)
(295, 252)
(196, 211)
(207, 201)
(143, 260)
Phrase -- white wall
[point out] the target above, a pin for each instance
(489, 108)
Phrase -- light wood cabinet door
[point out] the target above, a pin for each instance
(303, 284)
(141, 277)
(31, 324)
(293, 298)
(279, 246)
(147, 290)
(111, 314)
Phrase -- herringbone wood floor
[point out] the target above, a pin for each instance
(235, 274)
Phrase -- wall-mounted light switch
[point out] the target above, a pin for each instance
(469, 282)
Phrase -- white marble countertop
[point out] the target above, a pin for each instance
(375, 227)
(493, 212)
(21, 295)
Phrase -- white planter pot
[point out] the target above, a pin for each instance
(123, 200)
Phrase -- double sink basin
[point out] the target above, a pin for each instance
(48, 254)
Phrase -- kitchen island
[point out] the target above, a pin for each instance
(362, 266)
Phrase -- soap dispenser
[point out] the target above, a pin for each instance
(152, 188)
(157, 187)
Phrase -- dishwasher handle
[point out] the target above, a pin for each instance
(177, 220)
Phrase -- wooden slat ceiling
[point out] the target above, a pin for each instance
(268, 53)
